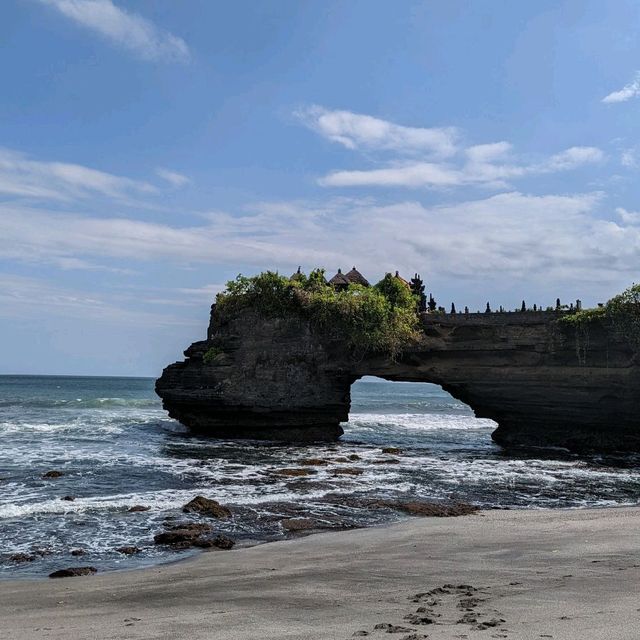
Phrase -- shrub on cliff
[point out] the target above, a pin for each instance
(622, 313)
(370, 319)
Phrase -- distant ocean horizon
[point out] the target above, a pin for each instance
(116, 447)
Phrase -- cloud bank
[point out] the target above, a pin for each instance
(126, 30)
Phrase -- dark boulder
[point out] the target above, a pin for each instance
(299, 524)
(428, 509)
(52, 474)
(138, 507)
(219, 542)
(22, 557)
(207, 507)
(72, 572)
(128, 551)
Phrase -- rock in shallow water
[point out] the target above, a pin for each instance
(128, 551)
(22, 557)
(207, 507)
(52, 474)
(72, 572)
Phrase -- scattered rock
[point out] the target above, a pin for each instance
(294, 472)
(391, 628)
(299, 524)
(360, 633)
(220, 542)
(138, 507)
(386, 461)
(392, 450)
(68, 498)
(348, 471)
(53, 474)
(314, 462)
(427, 509)
(182, 536)
(22, 557)
(78, 552)
(128, 551)
(207, 507)
(342, 459)
(417, 618)
(354, 456)
(194, 527)
(72, 572)
(494, 622)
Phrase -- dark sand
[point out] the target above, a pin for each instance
(548, 574)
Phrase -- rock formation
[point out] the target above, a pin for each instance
(545, 382)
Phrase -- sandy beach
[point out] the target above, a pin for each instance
(498, 574)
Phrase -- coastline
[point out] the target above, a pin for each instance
(541, 573)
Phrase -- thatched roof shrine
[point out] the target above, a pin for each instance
(355, 277)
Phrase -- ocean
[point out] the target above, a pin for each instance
(116, 448)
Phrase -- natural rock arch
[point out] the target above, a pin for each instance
(277, 378)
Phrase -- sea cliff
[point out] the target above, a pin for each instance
(545, 382)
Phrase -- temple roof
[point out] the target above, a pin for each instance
(339, 279)
(297, 275)
(402, 279)
(355, 277)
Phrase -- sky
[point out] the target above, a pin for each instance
(152, 150)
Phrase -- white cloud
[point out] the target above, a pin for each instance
(22, 297)
(627, 92)
(628, 159)
(127, 30)
(354, 131)
(23, 177)
(487, 165)
(628, 217)
(510, 237)
(572, 158)
(173, 177)
(442, 162)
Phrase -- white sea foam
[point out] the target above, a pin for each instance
(419, 421)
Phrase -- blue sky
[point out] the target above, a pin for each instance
(151, 150)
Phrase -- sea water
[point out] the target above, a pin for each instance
(117, 448)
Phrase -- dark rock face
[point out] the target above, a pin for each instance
(545, 383)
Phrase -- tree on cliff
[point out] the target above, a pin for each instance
(372, 319)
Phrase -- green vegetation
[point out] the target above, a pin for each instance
(211, 354)
(621, 313)
(381, 318)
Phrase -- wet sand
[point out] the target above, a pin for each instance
(498, 574)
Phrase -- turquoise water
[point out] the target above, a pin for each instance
(116, 448)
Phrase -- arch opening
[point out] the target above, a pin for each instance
(408, 412)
